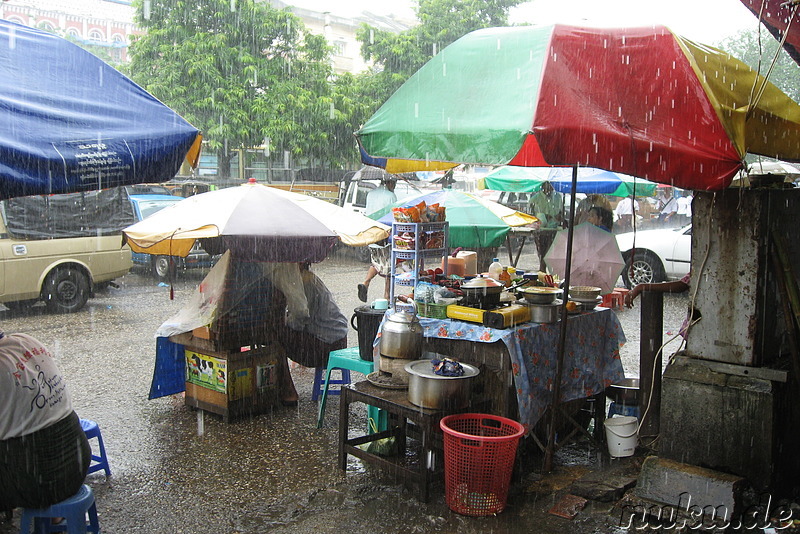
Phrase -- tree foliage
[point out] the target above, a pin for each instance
(757, 49)
(239, 70)
(399, 55)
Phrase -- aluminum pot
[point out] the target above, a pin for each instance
(482, 292)
(545, 313)
(426, 389)
(401, 336)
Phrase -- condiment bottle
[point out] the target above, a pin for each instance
(495, 269)
(505, 277)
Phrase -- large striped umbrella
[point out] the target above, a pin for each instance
(530, 179)
(640, 101)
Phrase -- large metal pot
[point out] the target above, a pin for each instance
(426, 389)
(401, 336)
(482, 291)
(545, 313)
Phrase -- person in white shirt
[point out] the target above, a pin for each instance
(377, 199)
(684, 211)
(44, 453)
(625, 211)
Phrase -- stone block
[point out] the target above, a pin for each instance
(687, 486)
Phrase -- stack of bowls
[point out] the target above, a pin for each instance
(587, 296)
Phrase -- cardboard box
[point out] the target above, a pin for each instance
(233, 383)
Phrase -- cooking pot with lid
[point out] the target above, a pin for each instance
(401, 335)
(426, 389)
(481, 291)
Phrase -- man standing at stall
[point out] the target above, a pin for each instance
(548, 207)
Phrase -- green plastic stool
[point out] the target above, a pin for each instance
(350, 359)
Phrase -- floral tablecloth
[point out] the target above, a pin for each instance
(591, 356)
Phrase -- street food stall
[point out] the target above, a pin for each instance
(222, 347)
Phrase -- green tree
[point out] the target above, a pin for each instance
(399, 55)
(240, 71)
(757, 49)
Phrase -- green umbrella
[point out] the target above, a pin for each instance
(474, 221)
(530, 179)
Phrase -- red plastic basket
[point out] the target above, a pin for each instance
(479, 454)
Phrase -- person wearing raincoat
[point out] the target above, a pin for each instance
(44, 453)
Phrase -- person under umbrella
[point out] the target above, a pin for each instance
(548, 207)
(310, 337)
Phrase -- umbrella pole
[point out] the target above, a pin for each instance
(551, 434)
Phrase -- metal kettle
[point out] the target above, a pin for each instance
(401, 336)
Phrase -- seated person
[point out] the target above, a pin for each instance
(309, 339)
(601, 217)
(44, 453)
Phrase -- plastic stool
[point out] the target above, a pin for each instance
(99, 461)
(348, 359)
(73, 510)
(620, 293)
(319, 384)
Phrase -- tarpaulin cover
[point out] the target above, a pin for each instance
(640, 101)
(86, 214)
(70, 122)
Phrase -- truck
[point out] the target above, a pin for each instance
(59, 249)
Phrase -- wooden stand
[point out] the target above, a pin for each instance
(233, 383)
(405, 420)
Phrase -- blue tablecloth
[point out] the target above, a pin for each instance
(591, 356)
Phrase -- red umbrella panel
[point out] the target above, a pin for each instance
(639, 101)
(782, 19)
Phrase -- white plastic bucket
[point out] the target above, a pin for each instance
(622, 434)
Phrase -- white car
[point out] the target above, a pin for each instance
(660, 255)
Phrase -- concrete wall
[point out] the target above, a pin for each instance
(743, 321)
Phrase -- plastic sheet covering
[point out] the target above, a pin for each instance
(213, 298)
(84, 214)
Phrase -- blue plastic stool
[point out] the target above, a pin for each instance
(348, 359)
(319, 385)
(73, 510)
(99, 461)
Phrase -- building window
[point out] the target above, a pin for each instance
(74, 33)
(339, 48)
(96, 35)
(46, 26)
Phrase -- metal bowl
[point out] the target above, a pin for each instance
(626, 392)
(541, 295)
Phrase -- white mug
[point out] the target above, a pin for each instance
(380, 304)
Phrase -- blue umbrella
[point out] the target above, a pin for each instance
(530, 179)
(70, 122)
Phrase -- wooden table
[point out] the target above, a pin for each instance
(405, 420)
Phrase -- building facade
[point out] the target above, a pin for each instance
(103, 23)
(109, 24)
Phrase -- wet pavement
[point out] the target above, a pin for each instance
(175, 470)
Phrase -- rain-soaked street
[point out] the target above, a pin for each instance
(270, 473)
